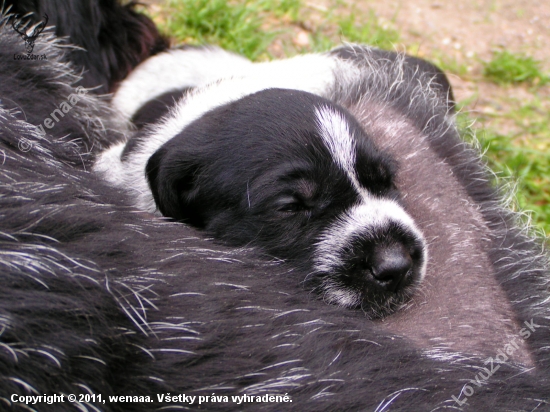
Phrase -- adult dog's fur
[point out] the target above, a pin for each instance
(98, 298)
(112, 38)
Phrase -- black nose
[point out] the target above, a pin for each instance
(389, 265)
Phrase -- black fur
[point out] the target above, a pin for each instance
(113, 38)
(155, 109)
(98, 298)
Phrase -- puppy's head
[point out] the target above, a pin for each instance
(296, 175)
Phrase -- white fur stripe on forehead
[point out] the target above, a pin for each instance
(334, 131)
(364, 220)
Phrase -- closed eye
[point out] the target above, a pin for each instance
(292, 205)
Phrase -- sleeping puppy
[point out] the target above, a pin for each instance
(264, 159)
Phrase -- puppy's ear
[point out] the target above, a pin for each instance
(172, 180)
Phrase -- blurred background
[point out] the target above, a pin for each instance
(495, 52)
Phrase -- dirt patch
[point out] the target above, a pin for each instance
(468, 33)
(472, 28)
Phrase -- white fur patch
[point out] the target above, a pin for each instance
(369, 216)
(198, 67)
(336, 135)
(337, 294)
(172, 70)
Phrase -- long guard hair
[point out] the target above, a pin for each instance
(99, 298)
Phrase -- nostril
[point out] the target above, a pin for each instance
(390, 265)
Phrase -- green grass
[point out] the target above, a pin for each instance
(450, 64)
(528, 167)
(523, 154)
(515, 138)
(236, 26)
(357, 28)
(342, 23)
(509, 68)
(522, 167)
(250, 27)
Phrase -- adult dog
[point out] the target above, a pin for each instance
(98, 298)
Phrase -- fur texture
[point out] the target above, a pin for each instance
(112, 38)
(98, 298)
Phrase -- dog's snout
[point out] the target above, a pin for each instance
(389, 265)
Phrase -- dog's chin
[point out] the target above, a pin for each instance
(374, 301)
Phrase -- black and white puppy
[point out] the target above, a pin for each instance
(284, 169)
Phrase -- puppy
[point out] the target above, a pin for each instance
(286, 170)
